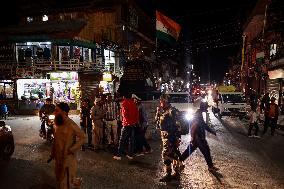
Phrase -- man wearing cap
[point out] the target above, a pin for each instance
(68, 138)
(47, 109)
(170, 133)
(97, 115)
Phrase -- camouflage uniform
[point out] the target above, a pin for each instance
(170, 134)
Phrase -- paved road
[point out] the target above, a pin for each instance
(244, 162)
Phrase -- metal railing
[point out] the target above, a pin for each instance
(46, 65)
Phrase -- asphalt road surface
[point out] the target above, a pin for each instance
(244, 162)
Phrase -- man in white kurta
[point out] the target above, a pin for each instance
(68, 140)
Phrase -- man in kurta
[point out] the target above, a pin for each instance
(97, 115)
(68, 140)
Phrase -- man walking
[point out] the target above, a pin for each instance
(129, 112)
(112, 114)
(97, 115)
(198, 140)
(271, 116)
(67, 141)
(86, 122)
(141, 128)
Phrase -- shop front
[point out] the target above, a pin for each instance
(8, 94)
(275, 83)
(65, 88)
(60, 87)
(32, 92)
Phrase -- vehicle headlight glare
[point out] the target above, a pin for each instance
(189, 115)
(51, 116)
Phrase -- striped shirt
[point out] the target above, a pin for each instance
(112, 111)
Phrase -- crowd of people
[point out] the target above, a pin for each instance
(120, 123)
(112, 123)
(269, 108)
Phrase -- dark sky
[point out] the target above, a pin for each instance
(211, 30)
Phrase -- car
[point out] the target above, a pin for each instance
(7, 145)
(180, 100)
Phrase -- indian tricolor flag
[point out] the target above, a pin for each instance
(167, 29)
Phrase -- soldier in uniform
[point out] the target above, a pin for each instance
(170, 134)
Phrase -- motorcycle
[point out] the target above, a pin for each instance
(49, 128)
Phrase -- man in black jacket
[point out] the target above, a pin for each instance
(198, 140)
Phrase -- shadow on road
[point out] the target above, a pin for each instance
(143, 165)
(19, 173)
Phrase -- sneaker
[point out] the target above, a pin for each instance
(116, 157)
(140, 154)
(256, 136)
(166, 178)
(129, 157)
(250, 136)
(213, 169)
(148, 152)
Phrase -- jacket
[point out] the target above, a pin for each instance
(198, 128)
(129, 112)
(170, 123)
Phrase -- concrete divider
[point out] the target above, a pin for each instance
(150, 107)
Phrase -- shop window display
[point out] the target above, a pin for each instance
(65, 88)
(65, 54)
(39, 52)
(46, 53)
(66, 91)
(27, 52)
(21, 54)
(6, 90)
(31, 92)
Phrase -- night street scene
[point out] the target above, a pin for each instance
(150, 94)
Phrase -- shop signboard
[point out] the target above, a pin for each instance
(55, 76)
(107, 77)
